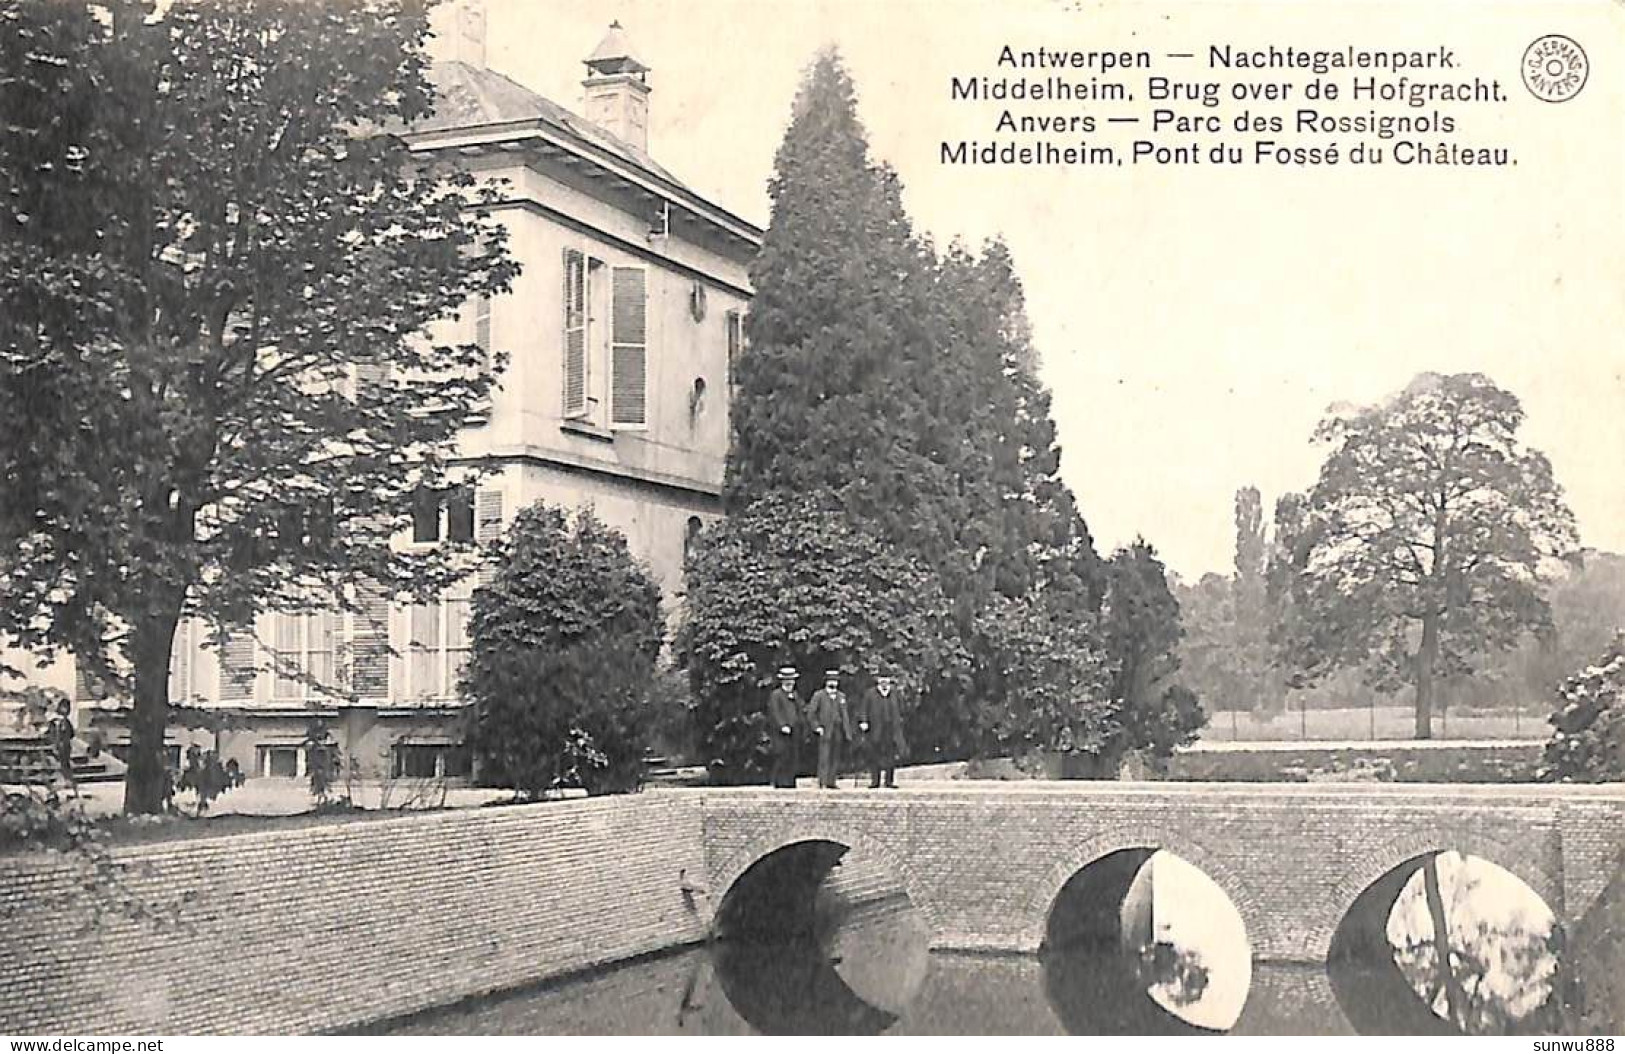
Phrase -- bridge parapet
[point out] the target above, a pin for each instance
(984, 862)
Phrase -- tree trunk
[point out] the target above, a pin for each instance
(1455, 996)
(151, 639)
(1426, 658)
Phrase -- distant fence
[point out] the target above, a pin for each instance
(1361, 724)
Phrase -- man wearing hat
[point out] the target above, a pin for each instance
(783, 713)
(880, 730)
(830, 722)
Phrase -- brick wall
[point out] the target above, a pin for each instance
(333, 927)
(329, 927)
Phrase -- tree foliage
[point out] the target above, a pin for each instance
(563, 644)
(1207, 648)
(1424, 542)
(1226, 649)
(1588, 727)
(215, 271)
(792, 581)
(1140, 620)
(1254, 658)
(900, 388)
(1046, 679)
(838, 331)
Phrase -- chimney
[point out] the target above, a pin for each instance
(617, 93)
(458, 28)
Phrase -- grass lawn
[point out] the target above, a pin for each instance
(121, 830)
(1384, 723)
(264, 805)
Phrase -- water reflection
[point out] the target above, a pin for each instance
(854, 978)
(1140, 935)
(686, 994)
(1449, 944)
(859, 966)
(817, 939)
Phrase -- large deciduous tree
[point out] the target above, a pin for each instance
(215, 269)
(1426, 538)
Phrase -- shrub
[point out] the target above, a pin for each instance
(563, 644)
(1588, 738)
(1046, 679)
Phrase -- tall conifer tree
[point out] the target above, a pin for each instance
(900, 391)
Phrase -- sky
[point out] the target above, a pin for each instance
(1196, 322)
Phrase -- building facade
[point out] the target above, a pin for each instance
(620, 333)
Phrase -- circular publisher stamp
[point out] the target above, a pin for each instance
(1555, 68)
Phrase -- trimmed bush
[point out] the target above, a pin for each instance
(564, 640)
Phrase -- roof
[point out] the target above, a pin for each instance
(468, 96)
(614, 53)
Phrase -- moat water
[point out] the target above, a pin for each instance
(1176, 963)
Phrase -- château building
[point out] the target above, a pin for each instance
(620, 333)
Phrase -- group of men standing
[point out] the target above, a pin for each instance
(873, 727)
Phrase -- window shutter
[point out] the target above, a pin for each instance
(575, 333)
(488, 515)
(487, 528)
(371, 644)
(629, 353)
(736, 345)
(237, 666)
(482, 325)
(180, 664)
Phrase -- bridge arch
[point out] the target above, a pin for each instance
(734, 866)
(1370, 866)
(1254, 918)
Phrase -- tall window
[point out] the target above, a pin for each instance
(302, 664)
(629, 350)
(691, 534)
(438, 645)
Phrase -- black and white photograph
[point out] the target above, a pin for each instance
(694, 518)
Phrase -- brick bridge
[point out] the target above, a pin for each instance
(984, 863)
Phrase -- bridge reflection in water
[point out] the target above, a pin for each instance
(815, 939)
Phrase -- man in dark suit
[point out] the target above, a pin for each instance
(880, 729)
(783, 714)
(831, 723)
